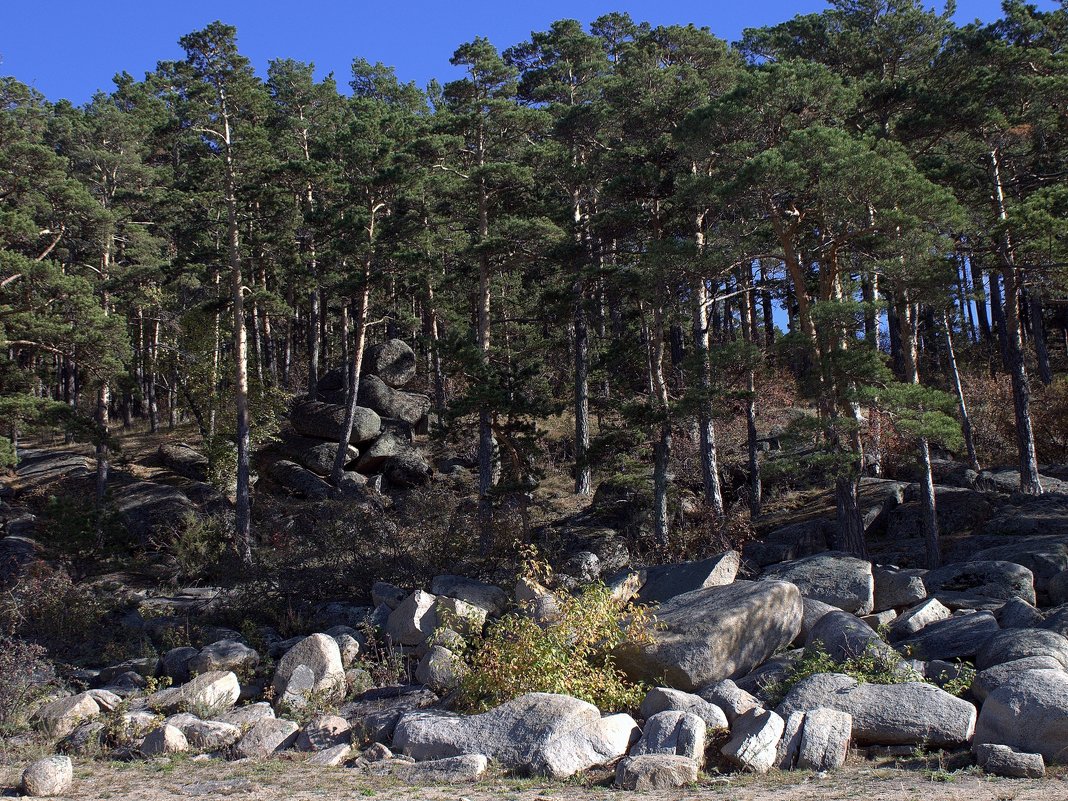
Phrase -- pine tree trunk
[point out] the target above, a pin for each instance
(766, 309)
(1021, 389)
(662, 450)
(1038, 336)
(958, 389)
(713, 493)
(849, 532)
(583, 473)
(313, 343)
(997, 311)
(979, 292)
(150, 379)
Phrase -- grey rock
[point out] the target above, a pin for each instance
(299, 481)
(266, 737)
(440, 670)
(1044, 556)
(176, 663)
(837, 579)
(824, 739)
(373, 458)
(813, 612)
(989, 579)
(880, 620)
(844, 636)
(664, 699)
(895, 587)
(330, 757)
(414, 619)
(211, 735)
(375, 394)
(1013, 644)
(487, 596)
(323, 732)
(727, 696)
(393, 361)
(224, 655)
(790, 542)
(1001, 760)
(790, 745)
(539, 733)
(326, 421)
(1016, 613)
(1057, 589)
(312, 454)
(385, 593)
(917, 618)
(715, 633)
(666, 581)
(247, 715)
(320, 654)
(1029, 712)
(374, 714)
(166, 739)
(407, 469)
(988, 680)
(60, 718)
(184, 460)
(961, 636)
(462, 617)
(537, 601)
(673, 732)
(887, 714)
(458, 769)
(655, 772)
(50, 776)
(349, 647)
(754, 741)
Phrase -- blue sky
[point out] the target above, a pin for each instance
(71, 48)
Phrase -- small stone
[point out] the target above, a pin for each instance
(1001, 760)
(166, 739)
(47, 777)
(754, 741)
(331, 757)
(451, 770)
(323, 732)
(267, 737)
(655, 772)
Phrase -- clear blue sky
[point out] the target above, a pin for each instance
(71, 48)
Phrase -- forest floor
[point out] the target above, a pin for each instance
(288, 780)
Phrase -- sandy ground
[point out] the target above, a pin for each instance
(289, 780)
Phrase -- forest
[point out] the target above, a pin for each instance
(636, 409)
(610, 248)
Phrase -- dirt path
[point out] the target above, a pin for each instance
(286, 780)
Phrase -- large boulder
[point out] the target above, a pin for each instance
(224, 655)
(959, 637)
(320, 655)
(1043, 515)
(844, 636)
(300, 482)
(267, 737)
(988, 680)
(825, 739)
(411, 407)
(314, 454)
(407, 469)
(1044, 556)
(917, 618)
(835, 578)
(1029, 712)
(184, 460)
(450, 770)
(1013, 644)
(666, 581)
(887, 714)
(326, 421)
(715, 633)
(414, 619)
(963, 582)
(539, 733)
(392, 361)
(728, 697)
(957, 510)
(1001, 760)
(374, 457)
(147, 509)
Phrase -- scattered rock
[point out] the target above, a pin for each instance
(487, 596)
(730, 698)
(1013, 644)
(385, 593)
(961, 636)
(824, 739)
(331, 757)
(266, 737)
(537, 601)
(715, 633)
(60, 718)
(247, 715)
(837, 579)
(184, 460)
(440, 670)
(374, 457)
(986, 579)
(407, 469)
(844, 636)
(1001, 760)
(449, 770)
(374, 714)
(166, 739)
(224, 655)
(1016, 613)
(673, 732)
(887, 714)
(923, 614)
(323, 732)
(320, 655)
(48, 777)
(539, 733)
(413, 620)
(895, 588)
(986, 681)
(754, 740)
(176, 663)
(212, 735)
(666, 581)
(655, 772)
(665, 699)
(460, 616)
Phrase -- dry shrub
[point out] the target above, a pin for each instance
(25, 674)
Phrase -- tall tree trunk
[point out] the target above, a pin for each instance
(314, 312)
(997, 311)
(1038, 335)
(243, 501)
(766, 308)
(713, 493)
(1021, 389)
(151, 378)
(958, 389)
(749, 320)
(979, 293)
(662, 455)
(103, 401)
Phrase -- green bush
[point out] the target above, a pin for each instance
(571, 655)
(25, 674)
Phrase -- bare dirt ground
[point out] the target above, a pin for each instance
(289, 780)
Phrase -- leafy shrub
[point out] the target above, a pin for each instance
(570, 655)
(199, 546)
(25, 673)
(873, 665)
